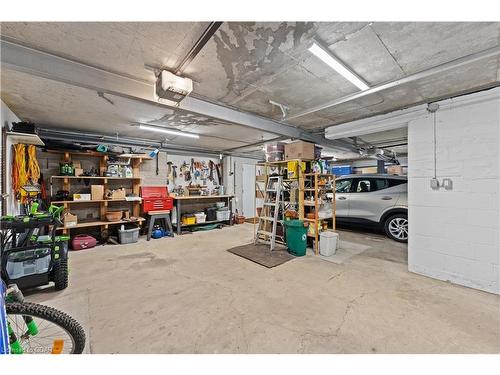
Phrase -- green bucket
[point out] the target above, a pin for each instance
(296, 237)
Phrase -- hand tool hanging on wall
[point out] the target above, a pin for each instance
(211, 167)
(157, 164)
(219, 175)
(174, 173)
(185, 171)
(204, 172)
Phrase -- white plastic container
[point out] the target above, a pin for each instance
(328, 243)
(200, 217)
(128, 235)
(223, 215)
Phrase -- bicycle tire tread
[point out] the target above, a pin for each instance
(53, 315)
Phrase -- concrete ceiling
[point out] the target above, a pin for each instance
(55, 104)
(245, 65)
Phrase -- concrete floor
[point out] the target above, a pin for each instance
(188, 295)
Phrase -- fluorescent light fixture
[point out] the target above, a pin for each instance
(167, 131)
(327, 57)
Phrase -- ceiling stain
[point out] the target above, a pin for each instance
(245, 50)
(180, 120)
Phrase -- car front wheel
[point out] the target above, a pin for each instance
(396, 227)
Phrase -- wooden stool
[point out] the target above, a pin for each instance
(159, 215)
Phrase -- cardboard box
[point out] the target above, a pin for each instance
(81, 197)
(97, 192)
(78, 171)
(299, 150)
(70, 220)
(116, 194)
(395, 169)
(77, 164)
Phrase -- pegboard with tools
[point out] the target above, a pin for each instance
(185, 172)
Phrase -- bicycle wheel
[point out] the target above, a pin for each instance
(51, 332)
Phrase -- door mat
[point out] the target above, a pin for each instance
(261, 254)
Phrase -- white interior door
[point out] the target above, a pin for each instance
(248, 191)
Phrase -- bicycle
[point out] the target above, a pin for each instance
(30, 328)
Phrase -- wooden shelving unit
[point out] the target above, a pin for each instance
(312, 185)
(135, 181)
(308, 186)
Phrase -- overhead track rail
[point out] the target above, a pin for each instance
(80, 137)
(198, 46)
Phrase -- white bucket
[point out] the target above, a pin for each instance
(328, 243)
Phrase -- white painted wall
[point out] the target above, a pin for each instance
(6, 119)
(454, 235)
(234, 178)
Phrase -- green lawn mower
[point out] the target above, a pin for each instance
(32, 255)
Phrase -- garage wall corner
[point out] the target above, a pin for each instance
(7, 118)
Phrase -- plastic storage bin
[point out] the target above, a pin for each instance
(188, 219)
(223, 215)
(28, 262)
(128, 235)
(328, 243)
(220, 204)
(296, 237)
(200, 217)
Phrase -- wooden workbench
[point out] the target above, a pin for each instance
(198, 201)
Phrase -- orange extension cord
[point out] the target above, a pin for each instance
(33, 167)
(22, 173)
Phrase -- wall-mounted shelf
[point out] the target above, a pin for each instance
(29, 139)
(99, 223)
(101, 154)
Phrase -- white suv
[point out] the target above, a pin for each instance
(374, 199)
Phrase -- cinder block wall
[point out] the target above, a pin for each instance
(454, 235)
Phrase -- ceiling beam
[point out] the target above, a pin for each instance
(39, 63)
(398, 82)
(255, 144)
